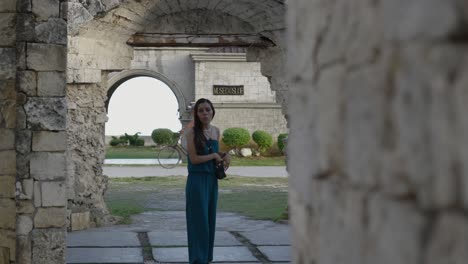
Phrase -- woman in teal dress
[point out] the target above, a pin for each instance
(201, 191)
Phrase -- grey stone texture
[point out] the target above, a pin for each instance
(24, 225)
(7, 29)
(7, 64)
(179, 238)
(25, 248)
(45, 9)
(220, 254)
(25, 23)
(8, 220)
(45, 113)
(49, 141)
(8, 162)
(8, 244)
(8, 6)
(50, 217)
(46, 57)
(48, 166)
(7, 104)
(276, 253)
(52, 31)
(23, 6)
(25, 189)
(80, 221)
(23, 142)
(103, 239)
(104, 255)
(54, 194)
(51, 84)
(27, 82)
(7, 187)
(48, 246)
(373, 114)
(7, 139)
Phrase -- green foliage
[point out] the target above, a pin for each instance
(280, 141)
(117, 142)
(263, 139)
(163, 136)
(236, 137)
(139, 142)
(132, 140)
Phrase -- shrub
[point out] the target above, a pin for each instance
(280, 141)
(163, 136)
(132, 139)
(236, 137)
(115, 141)
(139, 142)
(263, 139)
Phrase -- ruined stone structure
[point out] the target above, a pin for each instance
(111, 42)
(379, 136)
(378, 143)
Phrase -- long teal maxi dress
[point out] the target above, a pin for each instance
(201, 196)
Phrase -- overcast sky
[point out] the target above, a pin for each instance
(142, 104)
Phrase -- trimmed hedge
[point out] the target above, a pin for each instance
(163, 136)
(263, 139)
(236, 137)
(280, 141)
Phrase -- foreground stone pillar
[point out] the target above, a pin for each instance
(379, 134)
(7, 131)
(40, 131)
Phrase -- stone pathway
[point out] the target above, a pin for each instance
(144, 171)
(160, 237)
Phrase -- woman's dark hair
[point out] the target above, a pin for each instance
(199, 137)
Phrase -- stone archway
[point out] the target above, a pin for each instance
(116, 80)
(113, 43)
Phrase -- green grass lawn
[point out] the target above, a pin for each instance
(258, 198)
(151, 153)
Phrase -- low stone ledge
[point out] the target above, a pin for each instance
(80, 221)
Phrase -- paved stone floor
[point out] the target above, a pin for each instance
(160, 237)
(144, 171)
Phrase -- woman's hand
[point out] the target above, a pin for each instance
(227, 161)
(217, 157)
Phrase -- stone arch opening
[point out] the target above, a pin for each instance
(115, 81)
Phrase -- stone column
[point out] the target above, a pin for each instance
(379, 135)
(7, 130)
(40, 132)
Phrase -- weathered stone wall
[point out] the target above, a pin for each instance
(86, 184)
(209, 73)
(378, 142)
(32, 132)
(8, 217)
